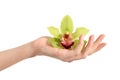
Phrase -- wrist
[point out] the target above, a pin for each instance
(27, 50)
(36, 48)
(32, 49)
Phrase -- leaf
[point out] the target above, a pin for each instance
(66, 24)
(85, 42)
(54, 31)
(80, 31)
(55, 42)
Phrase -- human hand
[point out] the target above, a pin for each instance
(42, 47)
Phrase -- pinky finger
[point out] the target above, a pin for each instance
(100, 46)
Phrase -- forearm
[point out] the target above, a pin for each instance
(12, 56)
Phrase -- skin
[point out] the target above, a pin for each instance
(41, 47)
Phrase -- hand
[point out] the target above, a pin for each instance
(42, 47)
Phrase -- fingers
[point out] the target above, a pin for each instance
(88, 47)
(98, 41)
(78, 49)
(92, 46)
(79, 52)
(100, 46)
(97, 45)
(80, 44)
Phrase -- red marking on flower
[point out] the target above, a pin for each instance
(67, 41)
(67, 46)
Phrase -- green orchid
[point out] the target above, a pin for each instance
(65, 37)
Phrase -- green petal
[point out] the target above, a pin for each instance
(75, 44)
(80, 31)
(54, 31)
(66, 24)
(55, 42)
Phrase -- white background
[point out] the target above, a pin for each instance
(22, 21)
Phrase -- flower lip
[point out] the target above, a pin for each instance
(67, 46)
(67, 40)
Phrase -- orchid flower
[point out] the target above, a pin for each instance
(65, 37)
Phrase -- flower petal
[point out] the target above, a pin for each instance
(66, 24)
(55, 42)
(54, 31)
(80, 31)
